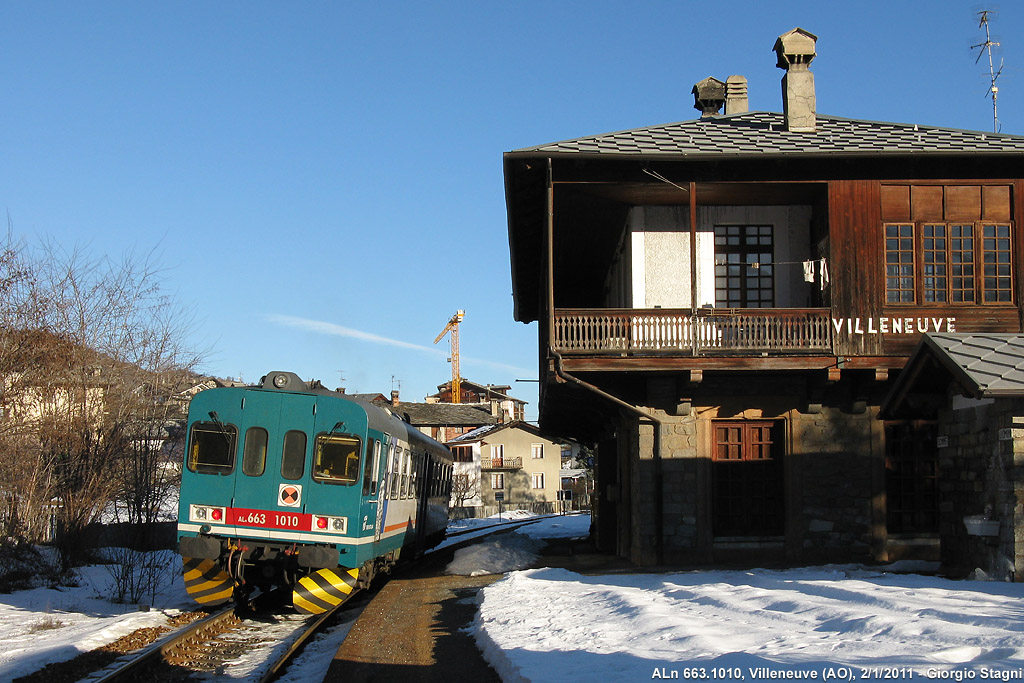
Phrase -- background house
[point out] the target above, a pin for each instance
(513, 460)
(492, 397)
(723, 303)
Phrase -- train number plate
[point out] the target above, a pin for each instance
(269, 519)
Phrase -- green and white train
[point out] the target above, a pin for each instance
(290, 485)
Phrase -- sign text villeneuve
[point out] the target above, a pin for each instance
(890, 325)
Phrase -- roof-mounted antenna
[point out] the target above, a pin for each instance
(993, 73)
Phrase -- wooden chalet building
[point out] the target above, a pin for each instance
(723, 304)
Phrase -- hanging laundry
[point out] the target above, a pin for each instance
(808, 271)
(824, 275)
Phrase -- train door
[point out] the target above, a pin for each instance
(382, 466)
(371, 489)
(388, 467)
(258, 477)
(420, 490)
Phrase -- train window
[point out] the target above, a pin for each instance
(336, 459)
(376, 466)
(370, 467)
(293, 458)
(417, 465)
(254, 451)
(394, 471)
(405, 474)
(212, 448)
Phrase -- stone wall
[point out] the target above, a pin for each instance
(838, 467)
(981, 471)
(834, 475)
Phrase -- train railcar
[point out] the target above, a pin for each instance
(287, 484)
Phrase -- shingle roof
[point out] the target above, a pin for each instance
(987, 364)
(444, 414)
(764, 134)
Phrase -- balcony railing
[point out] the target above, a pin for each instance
(501, 463)
(714, 331)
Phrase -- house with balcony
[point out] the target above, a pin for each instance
(511, 463)
(723, 303)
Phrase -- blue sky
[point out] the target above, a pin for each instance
(323, 180)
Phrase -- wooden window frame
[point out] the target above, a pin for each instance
(939, 274)
(462, 453)
(748, 262)
(748, 482)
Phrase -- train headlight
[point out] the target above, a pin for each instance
(206, 513)
(280, 381)
(336, 524)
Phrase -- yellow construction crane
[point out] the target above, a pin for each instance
(453, 327)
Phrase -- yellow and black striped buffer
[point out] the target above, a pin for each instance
(206, 582)
(324, 590)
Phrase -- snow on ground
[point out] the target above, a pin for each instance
(45, 625)
(851, 621)
(552, 624)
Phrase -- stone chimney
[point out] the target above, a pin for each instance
(736, 95)
(708, 97)
(795, 51)
(394, 398)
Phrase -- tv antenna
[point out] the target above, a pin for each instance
(993, 73)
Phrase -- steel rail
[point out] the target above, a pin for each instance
(154, 650)
(312, 629)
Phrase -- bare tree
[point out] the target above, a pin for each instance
(465, 486)
(96, 347)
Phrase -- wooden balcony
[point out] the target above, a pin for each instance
(501, 463)
(741, 332)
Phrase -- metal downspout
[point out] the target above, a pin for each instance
(659, 521)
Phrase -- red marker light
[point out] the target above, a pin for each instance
(321, 522)
(216, 515)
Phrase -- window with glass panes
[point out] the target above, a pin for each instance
(911, 478)
(747, 483)
(744, 266)
(958, 263)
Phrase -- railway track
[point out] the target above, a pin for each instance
(214, 643)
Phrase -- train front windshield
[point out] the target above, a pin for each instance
(336, 459)
(212, 448)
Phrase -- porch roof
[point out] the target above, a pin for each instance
(983, 365)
